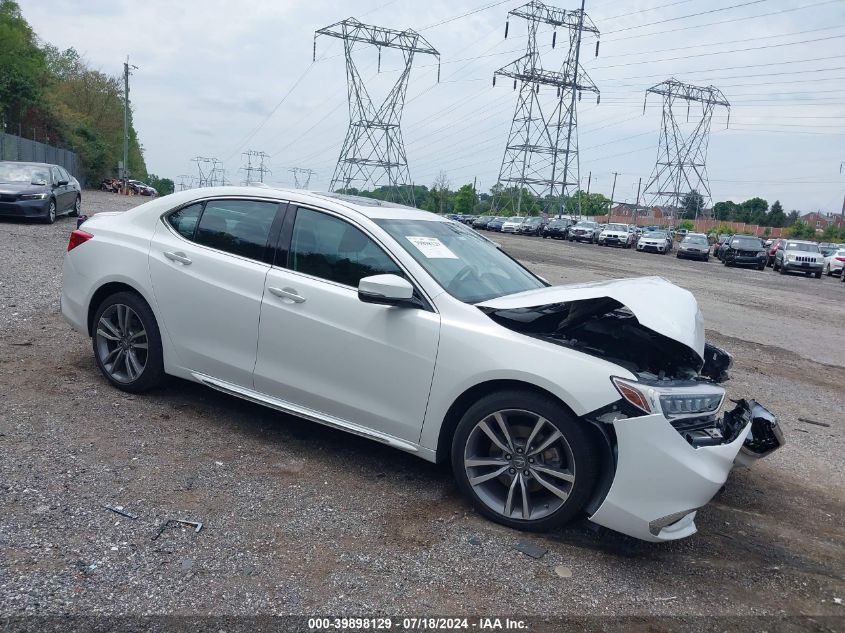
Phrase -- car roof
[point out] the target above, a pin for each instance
(29, 163)
(369, 207)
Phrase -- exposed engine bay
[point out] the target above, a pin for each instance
(605, 328)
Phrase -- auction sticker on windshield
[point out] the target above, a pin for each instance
(431, 247)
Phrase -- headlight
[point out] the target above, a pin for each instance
(761, 253)
(790, 257)
(678, 401)
(34, 196)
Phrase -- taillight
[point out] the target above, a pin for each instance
(77, 237)
(839, 259)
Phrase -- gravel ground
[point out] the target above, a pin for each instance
(302, 519)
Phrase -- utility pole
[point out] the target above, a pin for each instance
(249, 168)
(542, 147)
(637, 205)
(589, 178)
(612, 193)
(373, 153)
(126, 72)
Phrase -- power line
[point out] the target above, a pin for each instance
(684, 17)
(463, 15)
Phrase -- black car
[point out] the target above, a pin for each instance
(694, 246)
(531, 226)
(557, 228)
(481, 221)
(744, 250)
(37, 190)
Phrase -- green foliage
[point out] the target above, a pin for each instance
(725, 229)
(686, 225)
(776, 215)
(465, 200)
(164, 186)
(725, 210)
(791, 218)
(692, 204)
(801, 230)
(589, 204)
(52, 93)
(833, 233)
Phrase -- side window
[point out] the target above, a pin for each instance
(240, 227)
(327, 247)
(184, 221)
(54, 174)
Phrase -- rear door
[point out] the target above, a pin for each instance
(207, 267)
(323, 349)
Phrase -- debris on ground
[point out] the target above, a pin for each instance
(808, 421)
(175, 523)
(530, 549)
(119, 510)
(563, 572)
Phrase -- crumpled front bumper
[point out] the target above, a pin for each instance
(661, 479)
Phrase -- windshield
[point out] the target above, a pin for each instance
(518, 220)
(532, 221)
(587, 225)
(746, 242)
(466, 265)
(696, 239)
(11, 172)
(617, 227)
(558, 223)
(657, 235)
(799, 246)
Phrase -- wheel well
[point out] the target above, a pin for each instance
(473, 395)
(104, 291)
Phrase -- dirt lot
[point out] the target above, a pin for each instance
(302, 519)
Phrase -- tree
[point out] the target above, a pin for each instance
(724, 210)
(754, 210)
(440, 193)
(692, 205)
(164, 186)
(686, 225)
(23, 71)
(776, 215)
(465, 200)
(801, 230)
(587, 204)
(791, 218)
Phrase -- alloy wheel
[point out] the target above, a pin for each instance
(51, 212)
(519, 464)
(122, 343)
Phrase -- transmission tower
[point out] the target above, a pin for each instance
(542, 148)
(185, 182)
(302, 177)
(681, 158)
(373, 152)
(255, 173)
(208, 171)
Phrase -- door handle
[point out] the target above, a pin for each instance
(177, 257)
(287, 293)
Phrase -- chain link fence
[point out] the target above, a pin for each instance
(23, 149)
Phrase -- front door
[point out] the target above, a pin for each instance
(208, 278)
(322, 348)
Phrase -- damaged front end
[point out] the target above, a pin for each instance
(668, 448)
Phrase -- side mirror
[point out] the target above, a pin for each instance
(385, 289)
(61, 183)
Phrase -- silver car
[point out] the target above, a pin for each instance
(799, 256)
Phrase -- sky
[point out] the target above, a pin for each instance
(216, 78)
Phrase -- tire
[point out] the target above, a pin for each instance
(51, 213)
(819, 275)
(77, 207)
(105, 346)
(522, 412)
(782, 270)
(761, 267)
(827, 270)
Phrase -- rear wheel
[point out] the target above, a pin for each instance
(127, 343)
(523, 460)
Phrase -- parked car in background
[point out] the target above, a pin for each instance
(616, 235)
(694, 246)
(140, 188)
(557, 228)
(469, 219)
(496, 224)
(532, 226)
(584, 231)
(38, 190)
(512, 225)
(833, 263)
(772, 249)
(655, 242)
(799, 256)
(744, 250)
(720, 245)
(471, 359)
(482, 221)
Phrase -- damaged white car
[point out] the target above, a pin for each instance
(400, 326)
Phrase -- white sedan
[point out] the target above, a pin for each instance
(834, 263)
(403, 327)
(512, 225)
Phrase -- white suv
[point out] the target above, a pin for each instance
(414, 331)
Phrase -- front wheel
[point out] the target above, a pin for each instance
(51, 213)
(523, 460)
(77, 207)
(827, 270)
(127, 343)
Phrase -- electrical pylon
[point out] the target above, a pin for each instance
(541, 153)
(302, 177)
(207, 171)
(681, 165)
(373, 153)
(251, 169)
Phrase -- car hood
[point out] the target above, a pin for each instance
(615, 233)
(656, 303)
(17, 188)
